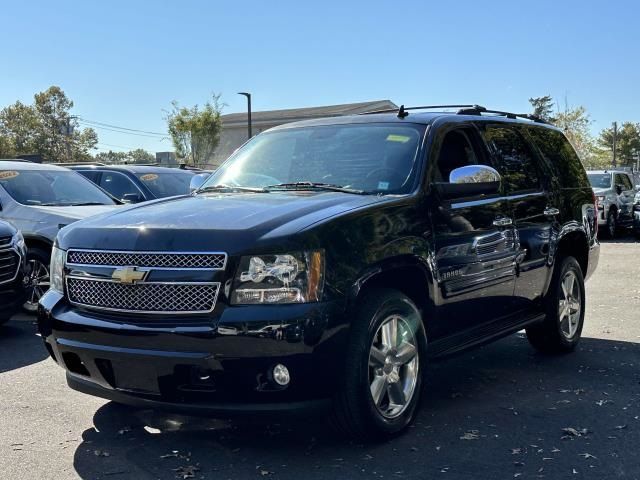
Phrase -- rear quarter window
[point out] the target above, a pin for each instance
(560, 156)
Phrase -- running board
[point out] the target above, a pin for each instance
(480, 335)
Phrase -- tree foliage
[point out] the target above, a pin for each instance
(139, 155)
(543, 107)
(627, 143)
(195, 131)
(46, 128)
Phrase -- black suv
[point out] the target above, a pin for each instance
(326, 264)
(13, 257)
(137, 183)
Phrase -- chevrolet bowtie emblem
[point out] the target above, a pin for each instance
(129, 275)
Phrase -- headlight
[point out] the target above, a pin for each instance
(285, 278)
(18, 242)
(56, 272)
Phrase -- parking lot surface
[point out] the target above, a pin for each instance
(500, 412)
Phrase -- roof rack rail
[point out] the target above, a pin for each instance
(23, 160)
(478, 110)
(77, 164)
(463, 110)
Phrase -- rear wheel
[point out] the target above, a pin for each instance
(383, 371)
(565, 307)
(36, 278)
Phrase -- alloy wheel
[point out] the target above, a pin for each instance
(393, 366)
(569, 305)
(36, 282)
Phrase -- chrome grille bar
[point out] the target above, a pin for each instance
(164, 260)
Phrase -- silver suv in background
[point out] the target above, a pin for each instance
(615, 192)
(39, 200)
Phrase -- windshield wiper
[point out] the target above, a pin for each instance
(230, 188)
(83, 204)
(314, 186)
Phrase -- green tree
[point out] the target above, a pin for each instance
(140, 155)
(543, 107)
(195, 131)
(46, 128)
(110, 157)
(627, 143)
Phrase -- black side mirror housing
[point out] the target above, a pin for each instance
(469, 181)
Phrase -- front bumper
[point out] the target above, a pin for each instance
(216, 365)
(12, 296)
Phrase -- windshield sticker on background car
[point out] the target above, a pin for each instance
(383, 185)
(398, 138)
(149, 177)
(8, 174)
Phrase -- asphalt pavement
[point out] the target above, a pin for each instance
(500, 412)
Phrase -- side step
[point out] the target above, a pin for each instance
(482, 334)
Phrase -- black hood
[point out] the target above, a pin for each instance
(210, 222)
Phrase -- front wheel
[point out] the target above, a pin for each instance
(383, 372)
(612, 224)
(565, 306)
(36, 279)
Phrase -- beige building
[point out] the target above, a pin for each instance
(234, 130)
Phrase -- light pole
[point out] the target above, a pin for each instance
(248, 95)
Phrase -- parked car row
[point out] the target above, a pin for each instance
(618, 200)
(314, 267)
(37, 200)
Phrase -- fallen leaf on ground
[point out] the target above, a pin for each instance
(472, 435)
(185, 472)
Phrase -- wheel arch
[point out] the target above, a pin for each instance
(574, 243)
(36, 241)
(407, 274)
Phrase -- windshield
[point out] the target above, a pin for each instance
(166, 184)
(52, 187)
(373, 158)
(600, 180)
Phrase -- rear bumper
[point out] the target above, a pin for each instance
(594, 258)
(212, 365)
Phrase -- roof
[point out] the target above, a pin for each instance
(422, 118)
(11, 164)
(291, 114)
(133, 168)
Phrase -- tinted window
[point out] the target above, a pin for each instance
(625, 182)
(517, 164)
(560, 156)
(118, 184)
(166, 184)
(456, 151)
(51, 187)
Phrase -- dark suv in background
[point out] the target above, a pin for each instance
(326, 264)
(137, 183)
(13, 258)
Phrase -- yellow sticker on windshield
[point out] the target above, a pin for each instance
(8, 174)
(149, 177)
(398, 138)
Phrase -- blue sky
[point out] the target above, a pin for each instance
(124, 62)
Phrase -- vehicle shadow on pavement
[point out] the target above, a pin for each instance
(19, 345)
(503, 411)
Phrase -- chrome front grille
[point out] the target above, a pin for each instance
(93, 281)
(213, 261)
(163, 298)
(9, 265)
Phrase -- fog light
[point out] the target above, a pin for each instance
(281, 375)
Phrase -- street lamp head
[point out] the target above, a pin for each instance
(246, 94)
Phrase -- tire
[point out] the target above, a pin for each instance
(36, 278)
(395, 374)
(612, 224)
(561, 330)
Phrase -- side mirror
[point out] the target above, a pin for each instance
(470, 181)
(197, 181)
(132, 198)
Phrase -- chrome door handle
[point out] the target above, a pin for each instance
(502, 222)
(550, 211)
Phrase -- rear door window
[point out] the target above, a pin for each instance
(517, 161)
(560, 156)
